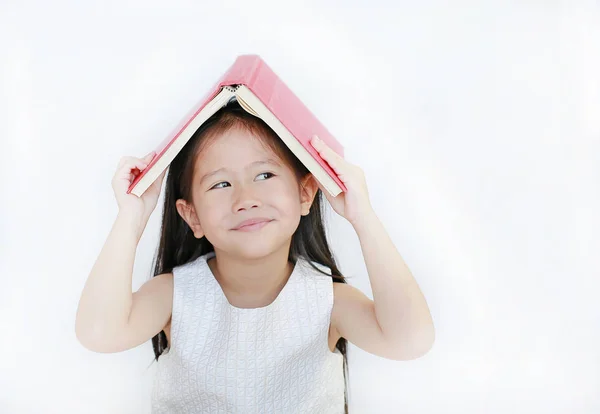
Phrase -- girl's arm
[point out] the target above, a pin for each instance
(106, 298)
(109, 317)
(397, 324)
(400, 307)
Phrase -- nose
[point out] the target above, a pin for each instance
(245, 199)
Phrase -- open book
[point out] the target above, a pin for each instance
(260, 92)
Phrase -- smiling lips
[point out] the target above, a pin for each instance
(252, 224)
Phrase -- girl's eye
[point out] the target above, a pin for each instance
(218, 185)
(224, 184)
(266, 173)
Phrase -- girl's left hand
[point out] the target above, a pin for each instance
(354, 204)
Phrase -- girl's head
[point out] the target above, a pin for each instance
(239, 170)
(232, 169)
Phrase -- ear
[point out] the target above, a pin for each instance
(308, 191)
(188, 213)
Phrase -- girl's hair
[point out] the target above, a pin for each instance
(178, 245)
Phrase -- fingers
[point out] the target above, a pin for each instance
(130, 167)
(149, 156)
(139, 163)
(333, 158)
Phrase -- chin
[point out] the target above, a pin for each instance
(256, 251)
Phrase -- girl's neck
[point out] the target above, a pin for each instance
(251, 283)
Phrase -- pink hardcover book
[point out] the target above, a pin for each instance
(262, 93)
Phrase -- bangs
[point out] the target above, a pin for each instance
(238, 118)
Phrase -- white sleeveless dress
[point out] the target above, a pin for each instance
(274, 359)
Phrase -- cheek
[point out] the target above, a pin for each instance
(210, 212)
(285, 198)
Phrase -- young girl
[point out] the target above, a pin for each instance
(248, 311)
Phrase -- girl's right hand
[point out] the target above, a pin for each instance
(127, 170)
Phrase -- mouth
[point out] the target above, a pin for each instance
(252, 225)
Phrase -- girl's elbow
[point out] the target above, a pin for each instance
(419, 345)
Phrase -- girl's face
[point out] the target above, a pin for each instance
(238, 178)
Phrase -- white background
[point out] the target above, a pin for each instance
(477, 125)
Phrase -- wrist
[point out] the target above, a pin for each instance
(365, 220)
(132, 222)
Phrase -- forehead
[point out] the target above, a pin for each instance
(233, 149)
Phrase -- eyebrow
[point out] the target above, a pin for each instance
(253, 164)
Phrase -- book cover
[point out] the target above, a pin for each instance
(256, 75)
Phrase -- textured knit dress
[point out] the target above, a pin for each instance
(274, 359)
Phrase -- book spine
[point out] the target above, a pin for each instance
(243, 71)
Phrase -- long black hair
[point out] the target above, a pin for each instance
(178, 246)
